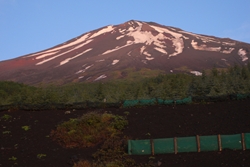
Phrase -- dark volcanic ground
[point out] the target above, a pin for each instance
(231, 117)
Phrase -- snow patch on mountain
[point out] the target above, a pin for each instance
(122, 30)
(76, 47)
(147, 54)
(228, 51)
(89, 66)
(77, 41)
(150, 58)
(122, 36)
(101, 77)
(228, 43)
(196, 73)
(71, 58)
(185, 37)
(45, 55)
(84, 70)
(80, 77)
(242, 53)
(102, 31)
(178, 48)
(161, 50)
(130, 29)
(205, 39)
(116, 48)
(145, 37)
(80, 71)
(177, 40)
(115, 62)
(204, 47)
(129, 53)
(100, 60)
(142, 49)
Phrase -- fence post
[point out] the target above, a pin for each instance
(175, 145)
(152, 147)
(243, 141)
(219, 142)
(198, 143)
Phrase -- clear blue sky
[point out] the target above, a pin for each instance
(31, 26)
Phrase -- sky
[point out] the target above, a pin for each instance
(31, 26)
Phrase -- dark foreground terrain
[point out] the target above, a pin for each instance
(25, 141)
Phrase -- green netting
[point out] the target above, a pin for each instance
(231, 142)
(242, 96)
(139, 147)
(165, 102)
(144, 102)
(186, 144)
(184, 101)
(247, 140)
(130, 103)
(209, 143)
(147, 101)
(163, 146)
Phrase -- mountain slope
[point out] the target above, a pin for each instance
(105, 53)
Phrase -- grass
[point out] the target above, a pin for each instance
(6, 132)
(89, 130)
(40, 156)
(6, 117)
(112, 154)
(26, 128)
(13, 158)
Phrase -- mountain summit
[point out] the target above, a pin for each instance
(107, 52)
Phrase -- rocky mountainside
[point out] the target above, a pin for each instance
(111, 51)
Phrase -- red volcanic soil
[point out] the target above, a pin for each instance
(230, 117)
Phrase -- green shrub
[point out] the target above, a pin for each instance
(88, 130)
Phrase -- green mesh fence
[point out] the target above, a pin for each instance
(233, 142)
(242, 96)
(189, 144)
(139, 147)
(163, 146)
(184, 101)
(165, 102)
(247, 140)
(146, 102)
(186, 144)
(209, 143)
(130, 103)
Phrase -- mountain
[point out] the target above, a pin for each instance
(115, 51)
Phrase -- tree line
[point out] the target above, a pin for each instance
(215, 82)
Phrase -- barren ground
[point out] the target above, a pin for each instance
(230, 117)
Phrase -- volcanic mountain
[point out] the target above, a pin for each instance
(112, 51)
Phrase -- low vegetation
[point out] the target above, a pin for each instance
(112, 154)
(89, 130)
(96, 128)
(235, 80)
